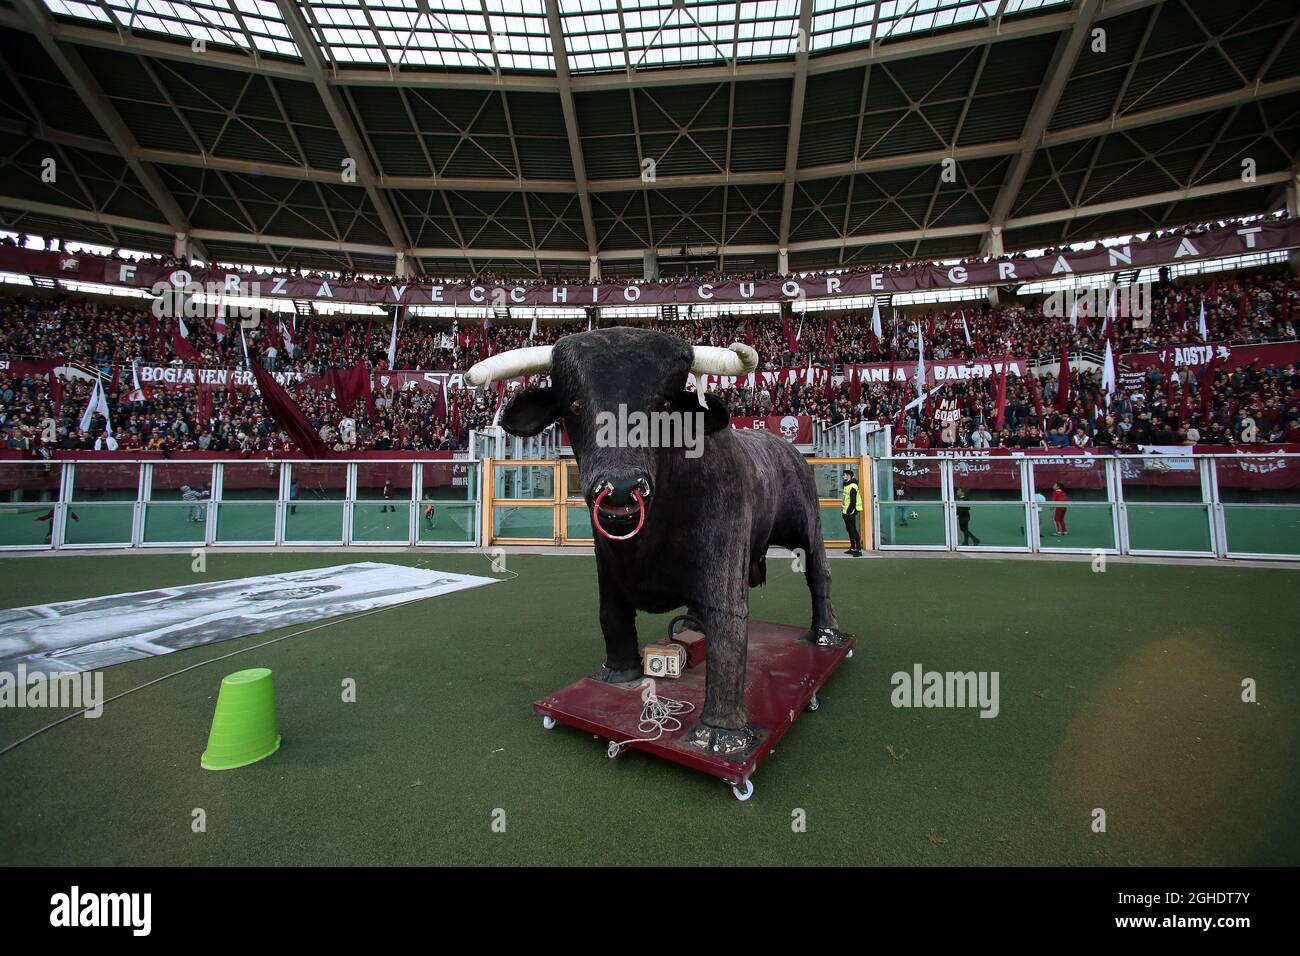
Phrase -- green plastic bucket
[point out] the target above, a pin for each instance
(243, 728)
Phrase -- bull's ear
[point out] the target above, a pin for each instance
(530, 411)
(716, 416)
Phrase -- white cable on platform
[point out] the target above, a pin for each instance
(659, 715)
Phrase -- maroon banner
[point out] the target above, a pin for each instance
(1226, 357)
(796, 429)
(1228, 241)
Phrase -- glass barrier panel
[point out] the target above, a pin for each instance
(449, 481)
(983, 524)
(912, 524)
(577, 523)
(1088, 524)
(97, 522)
(251, 521)
(166, 522)
(313, 521)
(1160, 479)
(246, 511)
(446, 521)
(828, 476)
(987, 479)
(516, 521)
(1261, 503)
(524, 482)
(382, 511)
(1168, 527)
(573, 481)
(1081, 478)
(312, 482)
(110, 486)
(833, 529)
(28, 492)
(909, 479)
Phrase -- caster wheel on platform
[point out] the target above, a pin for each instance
(548, 721)
(814, 703)
(745, 794)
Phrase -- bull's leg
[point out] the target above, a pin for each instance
(727, 631)
(618, 625)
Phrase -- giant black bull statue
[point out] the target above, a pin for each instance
(674, 526)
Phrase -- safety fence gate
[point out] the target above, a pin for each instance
(145, 504)
(541, 502)
(1237, 506)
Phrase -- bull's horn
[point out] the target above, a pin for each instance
(512, 364)
(737, 359)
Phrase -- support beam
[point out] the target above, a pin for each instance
(83, 83)
(342, 120)
(1049, 95)
(1280, 178)
(564, 88)
(798, 89)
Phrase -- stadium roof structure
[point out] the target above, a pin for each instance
(531, 136)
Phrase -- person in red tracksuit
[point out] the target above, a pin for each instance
(1058, 514)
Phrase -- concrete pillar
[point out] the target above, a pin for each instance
(650, 264)
(593, 271)
(995, 241)
(783, 262)
(402, 266)
(1293, 197)
(181, 245)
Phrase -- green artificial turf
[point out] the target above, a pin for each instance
(1119, 690)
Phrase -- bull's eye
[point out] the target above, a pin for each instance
(576, 407)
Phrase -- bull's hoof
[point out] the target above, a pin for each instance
(829, 637)
(608, 675)
(721, 741)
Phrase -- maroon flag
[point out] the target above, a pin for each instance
(830, 333)
(1185, 399)
(181, 343)
(1063, 380)
(203, 407)
(286, 413)
(1001, 416)
(1038, 399)
(855, 384)
(1207, 387)
(790, 342)
(350, 385)
(311, 339)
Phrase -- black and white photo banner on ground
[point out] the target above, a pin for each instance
(98, 632)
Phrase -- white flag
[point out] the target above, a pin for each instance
(964, 327)
(1205, 329)
(1108, 373)
(532, 331)
(98, 403)
(920, 361)
(219, 323)
(392, 340)
(589, 323)
(286, 333)
(1074, 311)
(875, 321)
(137, 393)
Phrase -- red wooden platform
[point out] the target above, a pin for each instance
(784, 672)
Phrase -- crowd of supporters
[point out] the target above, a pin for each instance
(1252, 405)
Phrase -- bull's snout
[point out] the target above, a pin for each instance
(618, 505)
(619, 491)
